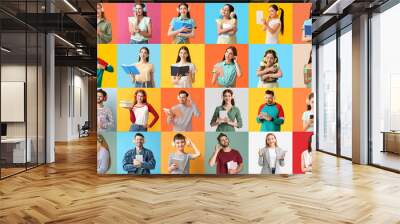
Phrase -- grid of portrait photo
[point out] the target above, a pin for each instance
(204, 88)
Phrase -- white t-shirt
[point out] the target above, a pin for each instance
(143, 24)
(102, 160)
(272, 38)
(307, 157)
(185, 81)
(272, 157)
(306, 117)
(184, 121)
(141, 115)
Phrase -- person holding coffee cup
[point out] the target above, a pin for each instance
(139, 160)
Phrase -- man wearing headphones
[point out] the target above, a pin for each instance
(228, 160)
(180, 115)
(139, 160)
(105, 120)
(270, 114)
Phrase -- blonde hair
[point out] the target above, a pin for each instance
(104, 144)
(266, 139)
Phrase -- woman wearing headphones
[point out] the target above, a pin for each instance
(269, 71)
(139, 112)
(273, 25)
(140, 25)
(179, 161)
(145, 78)
(227, 25)
(227, 116)
(182, 27)
(183, 59)
(104, 31)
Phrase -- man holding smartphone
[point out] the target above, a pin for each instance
(270, 114)
(180, 115)
(228, 160)
(139, 160)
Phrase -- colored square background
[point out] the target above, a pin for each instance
(258, 35)
(301, 55)
(123, 114)
(212, 12)
(169, 11)
(169, 54)
(108, 53)
(283, 97)
(215, 53)
(285, 60)
(129, 54)
(111, 139)
(125, 143)
(299, 107)
(196, 165)
(111, 103)
(300, 144)
(302, 13)
(110, 13)
(237, 140)
(257, 141)
(170, 99)
(213, 99)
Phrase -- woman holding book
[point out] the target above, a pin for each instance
(140, 25)
(179, 161)
(182, 27)
(145, 76)
(227, 25)
(273, 25)
(184, 70)
(139, 112)
(228, 70)
(271, 157)
(227, 116)
(269, 71)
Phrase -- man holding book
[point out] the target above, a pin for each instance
(228, 160)
(180, 115)
(139, 160)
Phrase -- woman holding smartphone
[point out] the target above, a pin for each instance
(182, 34)
(227, 116)
(140, 25)
(145, 78)
(184, 60)
(308, 115)
(228, 70)
(139, 112)
(271, 157)
(273, 25)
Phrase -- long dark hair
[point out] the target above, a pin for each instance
(310, 96)
(188, 59)
(143, 8)
(144, 96)
(148, 54)
(233, 50)
(231, 9)
(187, 7)
(230, 92)
(273, 52)
(102, 15)
(309, 59)
(276, 8)
(309, 149)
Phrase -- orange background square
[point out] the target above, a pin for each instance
(169, 11)
(299, 106)
(215, 53)
(301, 12)
(169, 99)
(196, 165)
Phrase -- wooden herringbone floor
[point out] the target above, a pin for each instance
(70, 191)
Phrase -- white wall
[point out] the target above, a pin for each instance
(71, 93)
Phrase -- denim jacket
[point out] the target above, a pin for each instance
(148, 163)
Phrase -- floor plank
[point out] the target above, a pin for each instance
(70, 191)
